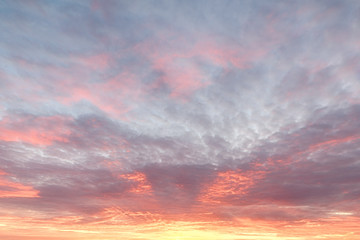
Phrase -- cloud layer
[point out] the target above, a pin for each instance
(185, 120)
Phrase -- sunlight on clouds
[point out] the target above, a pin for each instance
(179, 120)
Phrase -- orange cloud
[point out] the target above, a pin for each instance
(141, 185)
(229, 183)
(332, 143)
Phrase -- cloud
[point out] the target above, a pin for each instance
(177, 114)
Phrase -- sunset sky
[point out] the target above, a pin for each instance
(179, 120)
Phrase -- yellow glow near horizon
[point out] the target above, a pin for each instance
(29, 229)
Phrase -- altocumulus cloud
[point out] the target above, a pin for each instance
(158, 112)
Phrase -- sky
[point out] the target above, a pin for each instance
(179, 120)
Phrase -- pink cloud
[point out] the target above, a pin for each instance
(98, 62)
(228, 54)
(115, 96)
(42, 130)
(182, 67)
(181, 73)
(13, 189)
